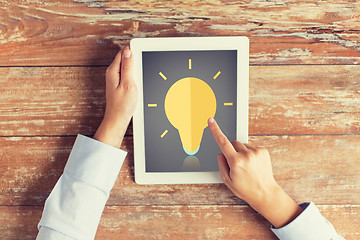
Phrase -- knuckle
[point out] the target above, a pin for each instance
(233, 157)
(256, 151)
(125, 65)
(262, 151)
(224, 178)
(108, 69)
(238, 164)
(222, 139)
(109, 72)
(128, 87)
(249, 155)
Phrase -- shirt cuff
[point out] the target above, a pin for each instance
(94, 162)
(310, 224)
(75, 205)
(46, 233)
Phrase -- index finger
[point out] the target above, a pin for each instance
(225, 145)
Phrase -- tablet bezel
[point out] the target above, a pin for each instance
(138, 45)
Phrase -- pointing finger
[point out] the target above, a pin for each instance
(226, 147)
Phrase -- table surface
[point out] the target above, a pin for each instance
(304, 107)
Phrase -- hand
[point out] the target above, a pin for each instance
(121, 99)
(247, 172)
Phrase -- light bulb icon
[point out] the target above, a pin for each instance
(189, 103)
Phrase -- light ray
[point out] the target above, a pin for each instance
(152, 105)
(228, 104)
(218, 73)
(190, 63)
(162, 75)
(164, 133)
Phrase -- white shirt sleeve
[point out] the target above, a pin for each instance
(74, 207)
(309, 225)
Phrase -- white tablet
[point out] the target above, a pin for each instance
(183, 82)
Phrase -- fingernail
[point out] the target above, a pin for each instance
(211, 120)
(127, 53)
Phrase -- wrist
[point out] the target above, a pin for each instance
(277, 206)
(112, 131)
(265, 197)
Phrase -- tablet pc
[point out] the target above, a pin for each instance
(182, 82)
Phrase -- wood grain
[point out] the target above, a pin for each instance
(283, 100)
(304, 107)
(323, 169)
(35, 100)
(90, 32)
(177, 222)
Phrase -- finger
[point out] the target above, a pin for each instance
(224, 168)
(127, 66)
(239, 147)
(115, 65)
(250, 147)
(226, 147)
(113, 72)
(225, 172)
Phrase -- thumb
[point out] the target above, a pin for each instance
(127, 66)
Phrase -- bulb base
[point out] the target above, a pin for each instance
(191, 153)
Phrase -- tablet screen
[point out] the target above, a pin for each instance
(181, 90)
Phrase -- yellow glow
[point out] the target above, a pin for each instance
(216, 75)
(162, 75)
(152, 105)
(189, 63)
(228, 104)
(164, 133)
(189, 103)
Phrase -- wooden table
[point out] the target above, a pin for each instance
(304, 107)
